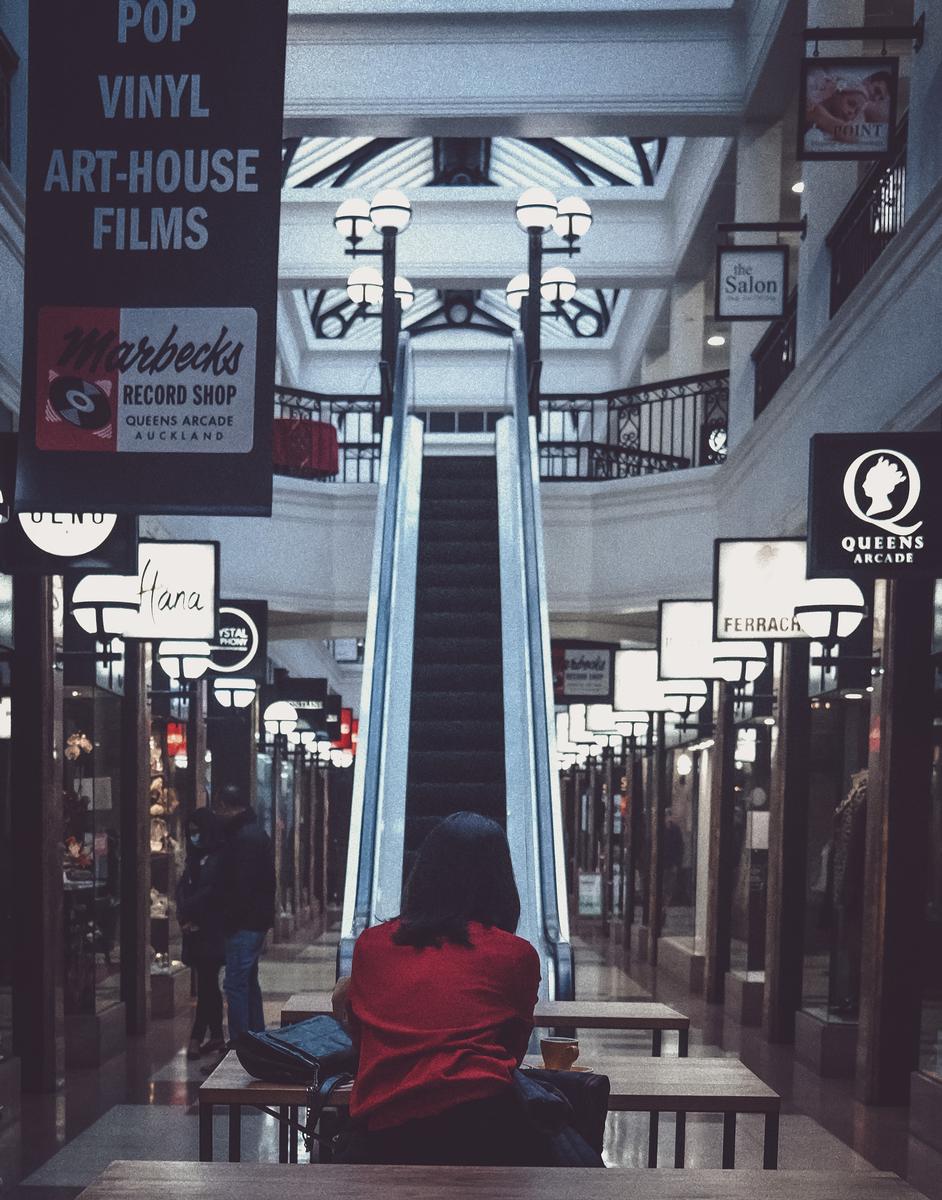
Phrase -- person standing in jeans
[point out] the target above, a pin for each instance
(204, 943)
(247, 901)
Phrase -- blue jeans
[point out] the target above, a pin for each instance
(243, 995)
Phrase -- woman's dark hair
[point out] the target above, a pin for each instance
(462, 873)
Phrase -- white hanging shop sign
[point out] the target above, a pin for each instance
(875, 505)
(174, 595)
(761, 591)
(751, 282)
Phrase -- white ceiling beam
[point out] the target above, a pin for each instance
(646, 70)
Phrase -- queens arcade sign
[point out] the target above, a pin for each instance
(875, 505)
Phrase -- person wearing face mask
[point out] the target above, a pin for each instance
(204, 942)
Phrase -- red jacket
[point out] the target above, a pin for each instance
(438, 1026)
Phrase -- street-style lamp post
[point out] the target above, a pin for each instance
(389, 214)
(538, 211)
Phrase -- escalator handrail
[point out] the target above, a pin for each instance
(367, 784)
(546, 781)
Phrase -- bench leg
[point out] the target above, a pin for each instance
(680, 1139)
(206, 1132)
(729, 1141)
(770, 1147)
(653, 1131)
(657, 1040)
(282, 1134)
(293, 1135)
(683, 1043)
(235, 1133)
(328, 1127)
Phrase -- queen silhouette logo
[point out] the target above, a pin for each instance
(882, 487)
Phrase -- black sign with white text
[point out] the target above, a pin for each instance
(241, 645)
(153, 196)
(875, 505)
(751, 282)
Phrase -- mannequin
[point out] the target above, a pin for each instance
(847, 888)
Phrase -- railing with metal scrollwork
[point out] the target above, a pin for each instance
(644, 430)
(773, 359)
(873, 217)
(321, 436)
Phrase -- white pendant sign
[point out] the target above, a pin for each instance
(174, 595)
(751, 282)
(757, 583)
(67, 535)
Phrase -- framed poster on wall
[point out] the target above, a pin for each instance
(847, 107)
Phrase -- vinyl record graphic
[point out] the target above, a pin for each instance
(80, 402)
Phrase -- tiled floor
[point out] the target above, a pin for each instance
(141, 1104)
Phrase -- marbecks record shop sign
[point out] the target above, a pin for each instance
(151, 260)
(875, 505)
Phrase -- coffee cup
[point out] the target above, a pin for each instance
(559, 1053)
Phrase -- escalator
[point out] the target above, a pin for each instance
(456, 736)
(457, 706)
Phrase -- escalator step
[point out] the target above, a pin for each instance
(458, 650)
(438, 800)
(471, 467)
(481, 733)
(459, 552)
(476, 487)
(456, 766)
(482, 531)
(460, 508)
(480, 623)
(445, 573)
(457, 599)
(472, 677)
(450, 706)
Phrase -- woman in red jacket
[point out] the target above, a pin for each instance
(441, 1000)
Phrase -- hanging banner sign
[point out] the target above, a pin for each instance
(685, 640)
(847, 107)
(582, 672)
(46, 543)
(153, 192)
(757, 583)
(637, 688)
(751, 282)
(875, 505)
(173, 597)
(241, 645)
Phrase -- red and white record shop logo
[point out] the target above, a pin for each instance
(146, 380)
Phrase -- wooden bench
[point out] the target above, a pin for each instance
(267, 1181)
(553, 1014)
(668, 1085)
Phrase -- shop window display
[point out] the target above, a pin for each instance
(679, 853)
(91, 849)
(750, 840)
(286, 823)
(168, 762)
(930, 1046)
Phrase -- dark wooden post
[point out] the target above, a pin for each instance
(788, 835)
(897, 842)
(655, 829)
(36, 831)
(720, 896)
(135, 840)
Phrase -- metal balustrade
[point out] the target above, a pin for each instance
(667, 426)
(358, 429)
(774, 357)
(872, 218)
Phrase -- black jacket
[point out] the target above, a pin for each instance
(246, 875)
(198, 906)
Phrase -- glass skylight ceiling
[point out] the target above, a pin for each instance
(503, 162)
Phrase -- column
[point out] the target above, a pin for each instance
(135, 840)
(924, 157)
(686, 329)
(892, 964)
(828, 187)
(36, 831)
(788, 822)
(655, 366)
(758, 198)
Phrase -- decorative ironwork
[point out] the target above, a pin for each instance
(459, 309)
(668, 426)
(870, 221)
(356, 418)
(774, 357)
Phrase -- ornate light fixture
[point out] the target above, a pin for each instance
(365, 286)
(280, 719)
(830, 609)
(105, 605)
(184, 660)
(234, 693)
(558, 285)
